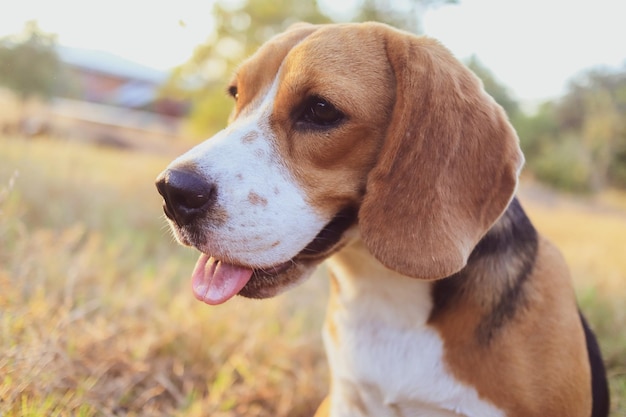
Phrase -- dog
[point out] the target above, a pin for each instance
(380, 152)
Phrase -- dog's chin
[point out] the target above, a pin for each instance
(266, 285)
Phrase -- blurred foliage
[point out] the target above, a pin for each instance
(239, 30)
(579, 141)
(241, 27)
(563, 164)
(29, 64)
(404, 15)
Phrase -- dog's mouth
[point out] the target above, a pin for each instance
(216, 281)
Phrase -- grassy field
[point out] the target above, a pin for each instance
(97, 317)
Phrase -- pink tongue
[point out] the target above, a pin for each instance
(215, 282)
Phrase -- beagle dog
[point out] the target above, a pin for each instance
(381, 152)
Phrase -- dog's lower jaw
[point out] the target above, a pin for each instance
(268, 286)
(263, 284)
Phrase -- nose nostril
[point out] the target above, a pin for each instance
(160, 183)
(187, 195)
(191, 200)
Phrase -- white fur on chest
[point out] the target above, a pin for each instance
(385, 359)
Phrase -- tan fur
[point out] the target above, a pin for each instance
(549, 329)
(450, 153)
(331, 167)
(270, 56)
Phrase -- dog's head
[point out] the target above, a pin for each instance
(341, 131)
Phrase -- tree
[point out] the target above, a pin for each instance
(29, 64)
(241, 28)
(403, 15)
(579, 141)
(595, 109)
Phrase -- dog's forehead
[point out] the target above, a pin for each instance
(333, 61)
(258, 72)
(332, 45)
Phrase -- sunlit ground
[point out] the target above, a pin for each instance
(97, 317)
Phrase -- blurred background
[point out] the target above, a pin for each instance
(96, 315)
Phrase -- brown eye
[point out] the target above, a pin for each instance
(320, 112)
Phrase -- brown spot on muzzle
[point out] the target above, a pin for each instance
(256, 199)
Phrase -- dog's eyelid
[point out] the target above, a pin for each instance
(315, 99)
(233, 91)
(320, 112)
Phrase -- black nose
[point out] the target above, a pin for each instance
(186, 194)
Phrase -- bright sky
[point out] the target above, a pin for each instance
(532, 46)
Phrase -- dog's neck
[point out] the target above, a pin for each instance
(362, 285)
(377, 316)
(493, 279)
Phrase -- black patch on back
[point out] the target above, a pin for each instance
(599, 385)
(508, 251)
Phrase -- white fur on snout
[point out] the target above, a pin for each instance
(268, 220)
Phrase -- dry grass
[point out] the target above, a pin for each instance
(96, 314)
(97, 318)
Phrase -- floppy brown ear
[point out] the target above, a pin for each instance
(448, 167)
